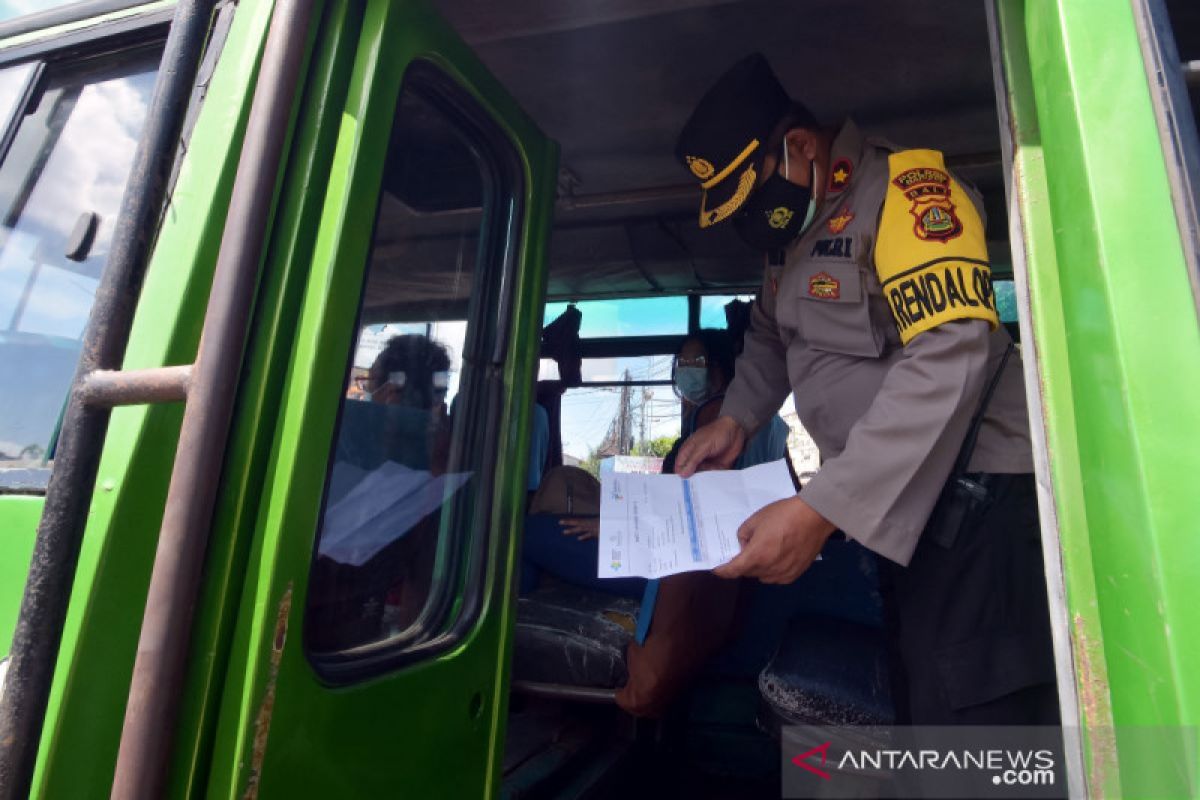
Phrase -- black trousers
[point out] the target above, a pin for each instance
(968, 621)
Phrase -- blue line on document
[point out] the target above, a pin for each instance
(693, 534)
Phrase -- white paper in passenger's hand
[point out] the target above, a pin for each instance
(657, 525)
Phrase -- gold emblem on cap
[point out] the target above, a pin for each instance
(780, 217)
(700, 168)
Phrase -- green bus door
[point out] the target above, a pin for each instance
(371, 645)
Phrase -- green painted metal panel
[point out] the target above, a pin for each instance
(18, 528)
(1118, 370)
(282, 732)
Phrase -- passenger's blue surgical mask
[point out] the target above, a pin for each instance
(692, 383)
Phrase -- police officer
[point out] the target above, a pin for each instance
(877, 311)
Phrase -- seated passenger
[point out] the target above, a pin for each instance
(685, 618)
(563, 546)
(702, 370)
(375, 558)
(694, 612)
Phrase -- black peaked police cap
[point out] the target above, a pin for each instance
(723, 141)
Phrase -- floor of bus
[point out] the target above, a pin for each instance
(708, 747)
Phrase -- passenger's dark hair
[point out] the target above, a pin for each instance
(718, 348)
(418, 357)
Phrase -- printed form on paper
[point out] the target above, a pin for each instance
(657, 525)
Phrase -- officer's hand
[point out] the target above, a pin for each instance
(779, 542)
(714, 446)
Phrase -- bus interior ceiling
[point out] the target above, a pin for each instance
(613, 84)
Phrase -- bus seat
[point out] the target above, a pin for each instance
(573, 637)
(844, 584)
(827, 671)
(829, 666)
(548, 395)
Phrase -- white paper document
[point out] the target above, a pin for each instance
(657, 525)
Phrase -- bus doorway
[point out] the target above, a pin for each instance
(626, 252)
(364, 627)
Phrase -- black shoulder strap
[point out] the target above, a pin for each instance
(968, 446)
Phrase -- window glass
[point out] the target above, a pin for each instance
(622, 420)
(68, 162)
(603, 421)
(640, 316)
(1006, 300)
(712, 308)
(407, 487)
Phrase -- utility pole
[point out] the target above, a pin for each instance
(625, 414)
(646, 394)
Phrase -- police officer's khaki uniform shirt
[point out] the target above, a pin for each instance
(886, 375)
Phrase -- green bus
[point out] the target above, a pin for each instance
(219, 214)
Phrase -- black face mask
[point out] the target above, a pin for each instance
(775, 213)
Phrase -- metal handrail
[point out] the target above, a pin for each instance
(43, 611)
(158, 671)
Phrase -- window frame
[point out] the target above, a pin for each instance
(102, 38)
(8, 127)
(456, 601)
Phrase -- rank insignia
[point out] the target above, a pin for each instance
(700, 168)
(839, 176)
(824, 286)
(839, 221)
(929, 191)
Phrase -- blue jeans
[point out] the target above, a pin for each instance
(567, 558)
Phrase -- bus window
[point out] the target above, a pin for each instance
(712, 308)
(64, 172)
(625, 407)
(1006, 300)
(408, 482)
(640, 316)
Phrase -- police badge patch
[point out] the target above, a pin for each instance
(700, 168)
(824, 286)
(929, 191)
